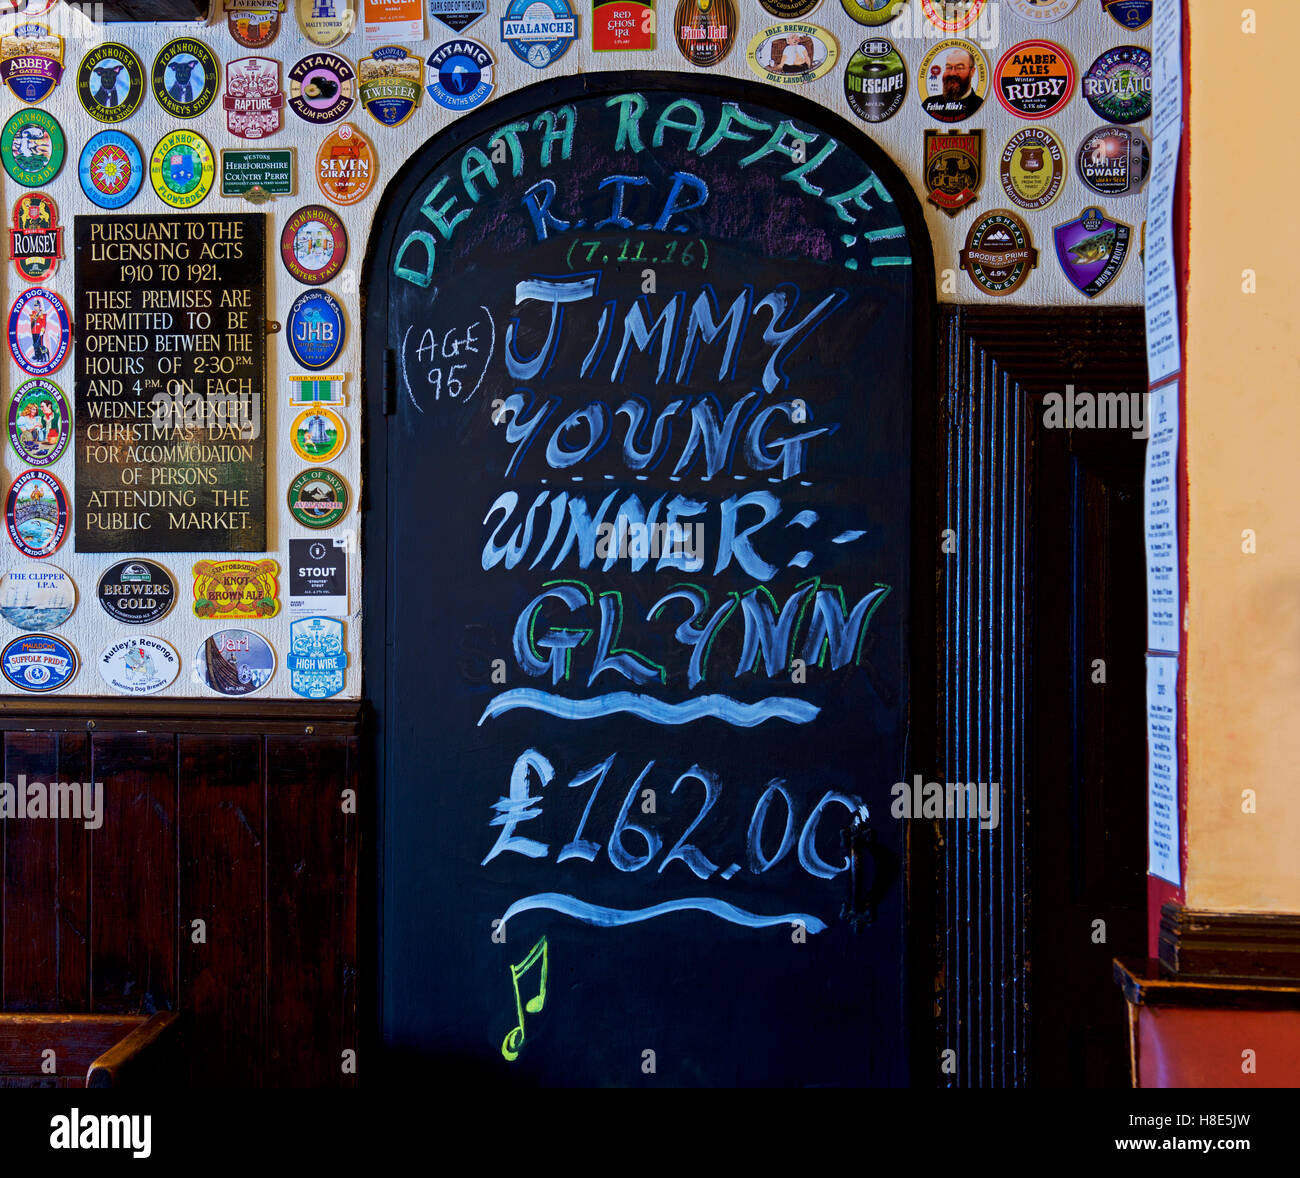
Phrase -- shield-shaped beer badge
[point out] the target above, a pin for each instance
(1092, 250)
(254, 103)
(317, 659)
(954, 168)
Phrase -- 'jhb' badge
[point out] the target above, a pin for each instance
(36, 239)
(254, 103)
(1092, 250)
(954, 168)
(317, 658)
(31, 61)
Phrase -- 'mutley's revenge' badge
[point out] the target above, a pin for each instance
(139, 666)
(954, 168)
(998, 254)
(1092, 250)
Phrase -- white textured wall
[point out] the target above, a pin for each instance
(1086, 32)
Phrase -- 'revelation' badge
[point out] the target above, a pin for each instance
(875, 80)
(38, 663)
(1042, 11)
(999, 253)
(1129, 14)
(460, 75)
(316, 329)
(326, 22)
(182, 169)
(40, 331)
(254, 24)
(37, 597)
(618, 26)
(31, 61)
(40, 422)
(235, 662)
(137, 592)
(390, 82)
(873, 12)
(36, 239)
(1035, 79)
(953, 79)
(314, 245)
(318, 434)
(1032, 168)
(325, 388)
(1118, 84)
(792, 54)
(317, 659)
(954, 168)
(318, 498)
(254, 102)
(139, 665)
(111, 169)
(1115, 161)
(236, 589)
(457, 15)
(539, 31)
(705, 30)
(36, 513)
(322, 88)
(110, 83)
(346, 169)
(185, 78)
(32, 147)
(1092, 250)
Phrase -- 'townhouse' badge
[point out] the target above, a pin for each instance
(110, 83)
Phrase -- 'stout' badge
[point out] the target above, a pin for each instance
(954, 168)
(1115, 161)
(111, 169)
(316, 329)
(1118, 84)
(236, 589)
(110, 83)
(36, 513)
(873, 12)
(1042, 11)
(254, 102)
(36, 239)
(254, 24)
(1032, 169)
(38, 597)
(317, 658)
(235, 662)
(1092, 250)
(314, 245)
(38, 662)
(32, 147)
(998, 254)
(792, 54)
(953, 79)
(185, 78)
(40, 331)
(345, 166)
(1035, 79)
(31, 61)
(318, 434)
(139, 665)
(457, 15)
(539, 31)
(136, 592)
(705, 30)
(322, 88)
(1129, 14)
(40, 423)
(326, 22)
(182, 169)
(390, 81)
(460, 75)
(318, 498)
(875, 80)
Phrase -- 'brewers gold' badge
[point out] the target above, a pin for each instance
(110, 83)
(182, 169)
(954, 168)
(998, 254)
(705, 30)
(236, 589)
(1032, 169)
(325, 22)
(1092, 250)
(792, 54)
(185, 78)
(875, 80)
(1035, 79)
(31, 61)
(953, 79)
(36, 239)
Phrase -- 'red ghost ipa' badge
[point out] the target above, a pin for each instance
(254, 102)
(621, 25)
(36, 239)
(705, 30)
(954, 168)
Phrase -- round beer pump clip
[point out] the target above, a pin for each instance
(314, 245)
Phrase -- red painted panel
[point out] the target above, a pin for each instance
(1189, 1048)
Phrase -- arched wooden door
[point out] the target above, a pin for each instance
(642, 359)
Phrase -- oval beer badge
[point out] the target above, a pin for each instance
(705, 30)
(40, 422)
(1032, 169)
(314, 245)
(111, 169)
(792, 54)
(318, 434)
(461, 74)
(788, 9)
(36, 513)
(136, 592)
(40, 331)
(235, 662)
(873, 12)
(325, 22)
(875, 80)
(139, 665)
(1035, 79)
(185, 78)
(952, 16)
(322, 88)
(38, 597)
(389, 83)
(999, 253)
(953, 79)
(1114, 161)
(345, 166)
(182, 169)
(36, 239)
(318, 498)
(1042, 11)
(110, 83)
(31, 61)
(316, 329)
(32, 146)
(1092, 250)
(539, 31)
(38, 662)
(1118, 84)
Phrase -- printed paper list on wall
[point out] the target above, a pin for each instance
(1164, 334)
(170, 383)
(1160, 514)
(1163, 851)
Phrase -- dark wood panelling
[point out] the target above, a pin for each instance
(73, 838)
(1230, 946)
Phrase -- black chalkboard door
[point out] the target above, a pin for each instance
(641, 369)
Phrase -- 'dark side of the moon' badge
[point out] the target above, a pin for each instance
(40, 331)
(954, 168)
(325, 22)
(318, 434)
(37, 597)
(110, 82)
(318, 498)
(457, 15)
(317, 658)
(36, 513)
(139, 665)
(346, 167)
(316, 329)
(182, 169)
(953, 79)
(235, 662)
(314, 245)
(999, 253)
(32, 147)
(38, 663)
(36, 237)
(1118, 85)
(40, 422)
(111, 169)
(137, 591)
(1032, 168)
(185, 77)
(791, 53)
(322, 88)
(705, 30)
(1034, 79)
(236, 589)
(460, 75)
(31, 61)
(1092, 250)
(253, 102)
(539, 31)
(875, 80)
(1114, 161)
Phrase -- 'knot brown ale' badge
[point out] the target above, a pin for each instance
(954, 168)
(1032, 169)
(705, 30)
(998, 254)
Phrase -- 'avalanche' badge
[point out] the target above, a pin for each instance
(953, 79)
(345, 166)
(36, 239)
(705, 30)
(185, 78)
(1114, 161)
(31, 61)
(1092, 250)
(316, 329)
(875, 80)
(952, 16)
(462, 75)
(318, 498)
(182, 169)
(621, 25)
(998, 254)
(539, 31)
(325, 388)
(317, 660)
(1035, 79)
(254, 24)
(253, 103)
(33, 146)
(39, 422)
(38, 597)
(1131, 14)
(873, 12)
(139, 666)
(38, 662)
(1032, 169)
(236, 589)
(326, 22)
(390, 83)
(40, 331)
(322, 88)
(1042, 11)
(792, 54)
(235, 662)
(36, 513)
(954, 168)
(111, 169)
(137, 592)
(318, 434)
(457, 15)
(110, 83)
(1118, 84)
(314, 245)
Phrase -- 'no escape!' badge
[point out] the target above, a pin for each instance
(461, 75)
(38, 663)
(875, 80)
(31, 61)
(539, 31)
(1092, 250)
(36, 513)
(40, 331)
(36, 239)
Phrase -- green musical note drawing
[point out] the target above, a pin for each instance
(514, 1040)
